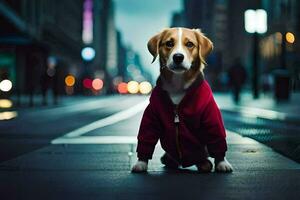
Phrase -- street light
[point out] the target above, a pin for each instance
(290, 37)
(255, 23)
(88, 53)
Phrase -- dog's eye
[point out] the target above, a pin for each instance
(189, 44)
(170, 44)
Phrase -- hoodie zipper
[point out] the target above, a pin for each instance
(176, 121)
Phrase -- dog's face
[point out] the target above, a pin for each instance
(180, 50)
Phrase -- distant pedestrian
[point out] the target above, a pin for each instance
(237, 78)
(49, 80)
(34, 65)
(267, 82)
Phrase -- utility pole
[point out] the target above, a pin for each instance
(255, 23)
(255, 72)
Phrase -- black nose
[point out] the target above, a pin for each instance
(178, 58)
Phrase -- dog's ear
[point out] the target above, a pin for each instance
(153, 45)
(205, 45)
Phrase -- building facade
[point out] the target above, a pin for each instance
(33, 30)
(223, 22)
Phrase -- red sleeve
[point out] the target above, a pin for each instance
(148, 134)
(214, 130)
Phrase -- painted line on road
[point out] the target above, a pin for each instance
(232, 138)
(97, 140)
(257, 112)
(84, 106)
(117, 117)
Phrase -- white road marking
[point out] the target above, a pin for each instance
(257, 112)
(263, 113)
(97, 140)
(85, 106)
(232, 138)
(122, 115)
(235, 138)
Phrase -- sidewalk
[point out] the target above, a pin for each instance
(101, 171)
(275, 124)
(264, 107)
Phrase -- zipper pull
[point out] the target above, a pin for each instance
(176, 118)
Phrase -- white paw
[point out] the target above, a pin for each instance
(140, 166)
(223, 166)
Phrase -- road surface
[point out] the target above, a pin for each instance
(85, 147)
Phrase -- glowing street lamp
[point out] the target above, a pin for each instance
(88, 53)
(5, 85)
(255, 23)
(290, 37)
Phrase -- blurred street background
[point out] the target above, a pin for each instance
(75, 77)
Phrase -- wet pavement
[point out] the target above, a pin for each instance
(97, 165)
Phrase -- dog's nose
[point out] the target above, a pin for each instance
(178, 58)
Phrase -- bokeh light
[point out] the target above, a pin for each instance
(290, 37)
(87, 83)
(97, 84)
(70, 80)
(8, 115)
(5, 103)
(88, 53)
(122, 88)
(5, 85)
(145, 87)
(133, 87)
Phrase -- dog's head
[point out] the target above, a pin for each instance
(180, 50)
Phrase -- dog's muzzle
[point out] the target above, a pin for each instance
(177, 68)
(178, 58)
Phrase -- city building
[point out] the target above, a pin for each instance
(33, 31)
(223, 22)
(37, 34)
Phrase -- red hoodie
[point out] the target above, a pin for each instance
(199, 126)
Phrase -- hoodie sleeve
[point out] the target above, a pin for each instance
(148, 134)
(214, 130)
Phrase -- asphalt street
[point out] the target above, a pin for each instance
(85, 147)
(36, 127)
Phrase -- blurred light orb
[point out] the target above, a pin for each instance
(8, 115)
(145, 87)
(5, 103)
(97, 84)
(133, 87)
(70, 80)
(256, 21)
(290, 37)
(87, 83)
(5, 85)
(88, 53)
(122, 88)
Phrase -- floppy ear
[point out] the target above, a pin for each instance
(153, 45)
(205, 45)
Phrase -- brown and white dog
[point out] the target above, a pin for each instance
(182, 54)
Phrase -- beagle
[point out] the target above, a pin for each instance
(182, 54)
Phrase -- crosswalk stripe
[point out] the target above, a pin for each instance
(117, 117)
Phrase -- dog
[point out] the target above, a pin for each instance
(182, 112)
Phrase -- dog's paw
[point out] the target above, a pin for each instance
(223, 166)
(140, 166)
(205, 166)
